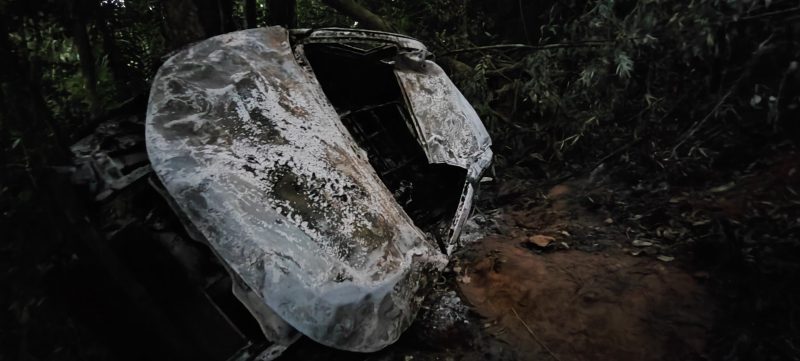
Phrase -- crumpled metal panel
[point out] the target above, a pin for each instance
(111, 158)
(246, 143)
(342, 35)
(450, 130)
(447, 127)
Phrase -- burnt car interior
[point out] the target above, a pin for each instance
(359, 81)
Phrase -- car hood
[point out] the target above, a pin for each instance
(255, 157)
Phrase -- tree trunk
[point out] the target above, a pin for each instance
(250, 14)
(80, 38)
(24, 109)
(208, 14)
(360, 14)
(182, 23)
(215, 16)
(225, 10)
(283, 13)
(115, 62)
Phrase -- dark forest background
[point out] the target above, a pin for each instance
(660, 97)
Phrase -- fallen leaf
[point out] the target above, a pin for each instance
(541, 240)
(650, 251)
(664, 258)
(722, 188)
(640, 243)
(609, 221)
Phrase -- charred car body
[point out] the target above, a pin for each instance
(323, 174)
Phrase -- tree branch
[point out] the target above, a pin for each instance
(283, 13)
(181, 23)
(590, 43)
(769, 14)
(250, 14)
(361, 14)
(80, 37)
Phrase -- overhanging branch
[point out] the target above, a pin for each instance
(581, 44)
(361, 14)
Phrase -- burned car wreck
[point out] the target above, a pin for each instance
(326, 174)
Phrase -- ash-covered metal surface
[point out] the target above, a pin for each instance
(256, 158)
(450, 130)
(111, 158)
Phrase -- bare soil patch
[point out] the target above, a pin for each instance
(584, 306)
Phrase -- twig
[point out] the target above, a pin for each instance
(505, 119)
(762, 48)
(534, 336)
(590, 43)
(778, 103)
(768, 14)
(694, 128)
(616, 152)
(635, 141)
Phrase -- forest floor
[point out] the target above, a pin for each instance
(695, 262)
(597, 268)
(657, 268)
(561, 281)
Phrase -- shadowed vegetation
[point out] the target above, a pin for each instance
(680, 121)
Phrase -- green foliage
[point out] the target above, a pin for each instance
(315, 14)
(623, 66)
(42, 39)
(623, 63)
(137, 34)
(590, 78)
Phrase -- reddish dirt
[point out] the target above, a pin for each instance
(562, 304)
(584, 306)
